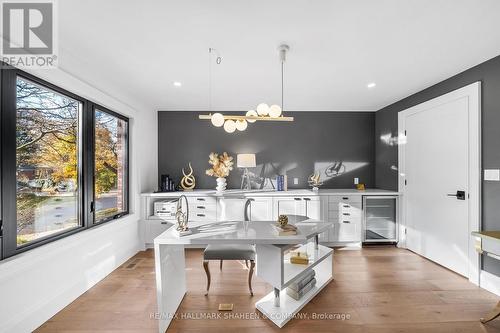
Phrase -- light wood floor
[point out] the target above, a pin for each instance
(381, 290)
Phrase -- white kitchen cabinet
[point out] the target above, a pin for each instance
(345, 212)
(301, 206)
(154, 228)
(261, 209)
(258, 209)
(344, 208)
(289, 206)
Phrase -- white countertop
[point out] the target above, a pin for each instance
(239, 232)
(272, 193)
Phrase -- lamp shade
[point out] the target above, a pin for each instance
(245, 161)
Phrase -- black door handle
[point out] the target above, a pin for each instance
(460, 195)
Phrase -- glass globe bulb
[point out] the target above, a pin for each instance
(263, 109)
(217, 119)
(230, 126)
(251, 113)
(241, 125)
(274, 111)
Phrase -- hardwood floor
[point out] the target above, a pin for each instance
(376, 290)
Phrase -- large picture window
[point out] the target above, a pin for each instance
(47, 160)
(64, 163)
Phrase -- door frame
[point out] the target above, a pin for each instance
(473, 94)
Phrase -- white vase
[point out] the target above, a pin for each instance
(221, 185)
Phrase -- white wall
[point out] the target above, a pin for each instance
(37, 284)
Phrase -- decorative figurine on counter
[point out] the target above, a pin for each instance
(182, 217)
(360, 187)
(188, 182)
(315, 181)
(282, 220)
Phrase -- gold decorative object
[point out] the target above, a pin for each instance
(188, 182)
(282, 220)
(360, 187)
(300, 258)
(315, 181)
(221, 166)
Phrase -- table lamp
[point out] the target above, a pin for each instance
(245, 161)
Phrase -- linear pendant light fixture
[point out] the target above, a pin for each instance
(263, 112)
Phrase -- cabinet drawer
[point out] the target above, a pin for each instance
(202, 216)
(202, 200)
(202, 207)
(345, 198)
(346, 231)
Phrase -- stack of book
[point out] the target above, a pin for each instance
(298, 289)
(281, 183)
(285, 230)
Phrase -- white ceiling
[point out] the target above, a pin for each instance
(135, 50)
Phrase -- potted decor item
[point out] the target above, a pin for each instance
(221, 166)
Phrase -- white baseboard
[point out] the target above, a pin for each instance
(489, 282)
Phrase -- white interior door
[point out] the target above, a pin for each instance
(436, 167)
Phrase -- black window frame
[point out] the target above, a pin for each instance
(8, 114)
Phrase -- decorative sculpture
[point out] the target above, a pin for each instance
(182, 217)
(188, 182)
(221, 166)
(315, 181)
(282, 220)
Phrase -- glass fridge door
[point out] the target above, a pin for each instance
(380, 219)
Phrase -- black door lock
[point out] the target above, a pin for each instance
(460, 195)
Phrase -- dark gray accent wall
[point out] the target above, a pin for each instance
(386, 122)
(294, 148)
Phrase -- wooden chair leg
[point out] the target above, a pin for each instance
(220, 265)
(492, 315)
(207, 271)
(250, 275)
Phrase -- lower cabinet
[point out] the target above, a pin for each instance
(261, 209)
(153, 228)
(345, 212)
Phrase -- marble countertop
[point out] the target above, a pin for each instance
(272, 193)
(240, 232)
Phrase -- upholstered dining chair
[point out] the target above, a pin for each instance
(232, 209)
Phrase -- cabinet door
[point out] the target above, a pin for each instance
(290, 206)
(261, 209)
(313, 208)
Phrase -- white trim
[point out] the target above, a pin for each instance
(490, 282)
(473, 93)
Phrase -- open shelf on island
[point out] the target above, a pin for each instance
(289, 307)
(293, 272)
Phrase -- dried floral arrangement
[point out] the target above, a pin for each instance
(221, 165)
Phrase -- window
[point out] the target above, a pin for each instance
(64, 163)
(47, 162)
(110, 166)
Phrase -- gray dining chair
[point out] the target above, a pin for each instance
(238, 212)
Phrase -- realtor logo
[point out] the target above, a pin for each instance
(28, 34)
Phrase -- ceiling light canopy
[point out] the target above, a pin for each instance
(371, 85)
(262, 112)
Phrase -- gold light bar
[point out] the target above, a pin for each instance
(264, 118)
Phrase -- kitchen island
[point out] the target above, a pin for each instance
(276, 269)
